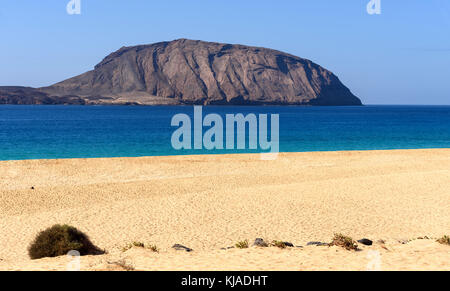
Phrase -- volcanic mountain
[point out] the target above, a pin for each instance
(193, 72)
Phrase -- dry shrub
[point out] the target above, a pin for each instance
(279, 244)
(242, 244)
(445, 240)
(344, 241)
(58, 240)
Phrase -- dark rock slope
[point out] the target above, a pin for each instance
(26, 96)
(196, 72)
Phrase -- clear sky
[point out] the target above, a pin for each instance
(399, 57)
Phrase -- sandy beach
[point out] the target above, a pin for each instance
(211, 202)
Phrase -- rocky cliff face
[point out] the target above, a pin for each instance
(196, 72)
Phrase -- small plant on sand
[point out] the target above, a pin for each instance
(279, 244)
(127, 247)
(138, 244)
(242, 244)
(445, 240)
(133, 244)
(123, 264)
(153, 248)
(344, 241)
(58, 240)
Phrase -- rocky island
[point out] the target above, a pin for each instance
(186, 72)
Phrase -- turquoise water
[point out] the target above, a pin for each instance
(48, 132)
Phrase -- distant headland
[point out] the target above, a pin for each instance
(191, 72)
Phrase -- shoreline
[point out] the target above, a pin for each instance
(209, 202)
(222, 154)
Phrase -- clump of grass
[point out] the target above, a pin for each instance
(279, 244)
(445, 240)
(344, 241)
(124, 265)
(137, 244)
(133, 244)
(127, 247)
(153, 248)
(58, 240)
(242, 244)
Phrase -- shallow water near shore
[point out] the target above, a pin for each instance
(53, 132)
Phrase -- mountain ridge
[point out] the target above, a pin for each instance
(186, 72)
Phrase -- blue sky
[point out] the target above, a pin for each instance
(399, 57)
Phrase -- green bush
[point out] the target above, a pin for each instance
(58, 240)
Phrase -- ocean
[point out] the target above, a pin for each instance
(54, 132)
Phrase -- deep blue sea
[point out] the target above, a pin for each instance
(49, 132)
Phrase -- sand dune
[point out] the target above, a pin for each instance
(210, 202)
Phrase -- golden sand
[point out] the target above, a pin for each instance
(211, 202)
